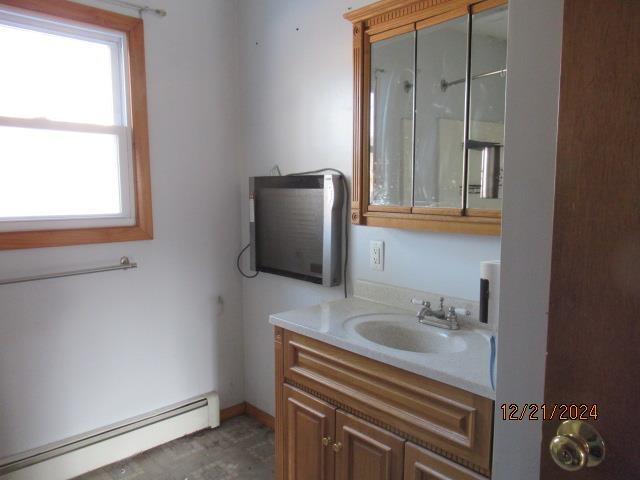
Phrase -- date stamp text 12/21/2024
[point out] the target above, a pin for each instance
(541, 411)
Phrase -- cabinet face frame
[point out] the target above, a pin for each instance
(380, 21)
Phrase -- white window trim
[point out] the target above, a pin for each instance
(122, 129)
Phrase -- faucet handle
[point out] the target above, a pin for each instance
(423, 303)
(452, 318)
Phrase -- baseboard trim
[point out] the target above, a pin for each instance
(245, 408)
(93, 450)
(233, 411)
(263, 417)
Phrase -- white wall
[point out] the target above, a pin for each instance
(79, 353)
(297, 112)
(531, 128)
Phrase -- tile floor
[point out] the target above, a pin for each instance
(240, 449)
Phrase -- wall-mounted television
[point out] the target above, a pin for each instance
(296, 227)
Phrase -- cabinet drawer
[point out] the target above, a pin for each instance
(421, 464)
(454, 421)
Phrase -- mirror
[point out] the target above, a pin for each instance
(486, 108)
(391, 113)
(441, 63)
(417, 136)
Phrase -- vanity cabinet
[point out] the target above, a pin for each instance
(429, 103)
(346, 417)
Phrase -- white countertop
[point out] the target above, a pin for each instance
(467, 369)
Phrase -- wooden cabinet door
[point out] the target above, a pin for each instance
(366, 452)
(309, 420)
(421, 464)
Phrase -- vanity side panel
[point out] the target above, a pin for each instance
(278, 335)
(453, 422)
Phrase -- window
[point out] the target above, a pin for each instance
(74, 164)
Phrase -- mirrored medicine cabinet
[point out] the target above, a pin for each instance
(429, 103)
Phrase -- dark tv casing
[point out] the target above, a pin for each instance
(296, 226)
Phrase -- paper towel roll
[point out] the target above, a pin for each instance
(490, 271)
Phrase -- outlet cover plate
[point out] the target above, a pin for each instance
(376, 255)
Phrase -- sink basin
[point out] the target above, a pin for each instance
(403, 332)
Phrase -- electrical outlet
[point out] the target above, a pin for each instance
(376, 255)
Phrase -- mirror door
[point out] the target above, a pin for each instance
(391, 104)
(486, 110)
(440, 110)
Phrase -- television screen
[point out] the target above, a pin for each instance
(296, 227)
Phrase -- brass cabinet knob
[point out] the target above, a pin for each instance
(326, 441)
(576, 445)
(337, 447)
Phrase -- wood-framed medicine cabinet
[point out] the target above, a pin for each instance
(429, 102)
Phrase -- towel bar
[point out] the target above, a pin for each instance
(125, 264)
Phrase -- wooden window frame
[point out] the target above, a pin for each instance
(386, 19)
(133, 29)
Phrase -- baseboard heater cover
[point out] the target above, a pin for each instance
(204, 411)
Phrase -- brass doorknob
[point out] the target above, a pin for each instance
(576, 445)
(337, 447)
(326, 441)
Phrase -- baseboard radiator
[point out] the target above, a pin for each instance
(84, 453)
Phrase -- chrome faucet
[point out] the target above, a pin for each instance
(438, 318)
